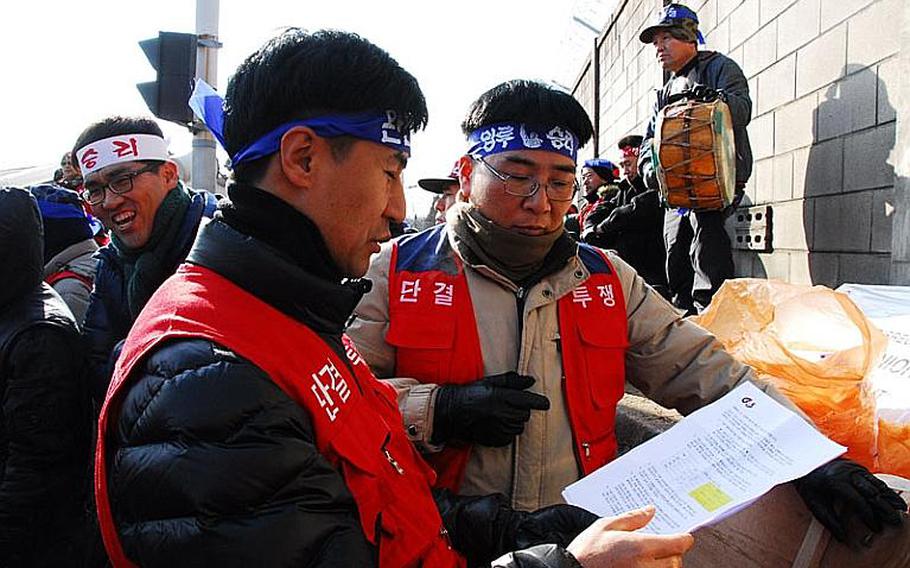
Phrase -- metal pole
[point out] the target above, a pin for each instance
(205, 164)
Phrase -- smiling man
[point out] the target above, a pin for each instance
(133, 188)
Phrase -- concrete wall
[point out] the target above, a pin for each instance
(824, 77)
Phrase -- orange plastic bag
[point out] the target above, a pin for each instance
(814, 344)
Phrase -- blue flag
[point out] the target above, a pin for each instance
(207, 104)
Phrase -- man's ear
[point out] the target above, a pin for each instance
(298, 155)
(170, 174)
(465, 168)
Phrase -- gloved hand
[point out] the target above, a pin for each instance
(588, 235)
(842, 488)
(490, 412)
(706, 94)
(557, 524)
(485, 528)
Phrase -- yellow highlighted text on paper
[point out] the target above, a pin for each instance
(710, 496)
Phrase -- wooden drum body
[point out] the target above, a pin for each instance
(695, 156)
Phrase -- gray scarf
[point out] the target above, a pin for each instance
(509, 253)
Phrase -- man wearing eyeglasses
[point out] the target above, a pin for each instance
(134, 189)
(505, 338)
(509, 344)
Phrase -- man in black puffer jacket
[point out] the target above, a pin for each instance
(45, 424)
(242, 428)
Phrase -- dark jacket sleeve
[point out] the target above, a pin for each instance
(211, 464)
(645, 159)
(101, 332)
(48, 430)
(724, 74)
(727, 76)
(643, 210)
(600, 212)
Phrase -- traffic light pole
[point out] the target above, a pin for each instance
(205, 164)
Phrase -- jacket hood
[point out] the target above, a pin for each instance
(21, 244)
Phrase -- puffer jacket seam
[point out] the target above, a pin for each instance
(164, 379)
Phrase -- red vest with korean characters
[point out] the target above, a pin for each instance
(432, 327)
(356, 421)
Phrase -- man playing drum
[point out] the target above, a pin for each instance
(699, 258)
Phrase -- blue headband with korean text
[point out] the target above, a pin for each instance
(508, 136)
(381, 128)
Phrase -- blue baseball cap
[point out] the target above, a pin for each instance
(604, 168)
(674, 16)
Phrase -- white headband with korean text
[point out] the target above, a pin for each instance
(121, 148)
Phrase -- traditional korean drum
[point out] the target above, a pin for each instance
(695, 155)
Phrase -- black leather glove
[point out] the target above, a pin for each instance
(588, 235)
(705, 93)
(490, 412)
(841, 488)
(557, 524)
(485, 528)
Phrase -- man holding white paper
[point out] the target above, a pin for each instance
(711, 464)
(510, 344)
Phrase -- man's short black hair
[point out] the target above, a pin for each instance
(115, 126)
(630, 141)
(298, 75)
(532, 102)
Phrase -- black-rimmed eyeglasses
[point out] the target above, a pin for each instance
(526, 186)
(94, 193)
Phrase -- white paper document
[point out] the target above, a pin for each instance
(710, 464)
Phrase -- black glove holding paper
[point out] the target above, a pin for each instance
(485, 528)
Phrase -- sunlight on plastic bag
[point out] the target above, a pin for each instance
(814, 344)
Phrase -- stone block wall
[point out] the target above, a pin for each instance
(825, 77)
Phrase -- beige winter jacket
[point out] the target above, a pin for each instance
(674, 362)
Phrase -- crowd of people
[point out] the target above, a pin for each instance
(267, 378)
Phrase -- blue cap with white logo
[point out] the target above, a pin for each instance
(674, 16)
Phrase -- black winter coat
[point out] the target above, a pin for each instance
(632, 223)
(209, 462)
(45, 423)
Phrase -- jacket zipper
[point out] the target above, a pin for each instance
(388, 456)
(520, 297)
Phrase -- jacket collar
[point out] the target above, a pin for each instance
(297, 283)
(701, 57)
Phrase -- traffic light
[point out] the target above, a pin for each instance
(173, 55)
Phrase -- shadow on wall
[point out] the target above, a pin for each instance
(843, 222)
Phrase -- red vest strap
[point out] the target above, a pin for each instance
(356, 421)
(431, 324)
(64, 274)
(593, 330)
